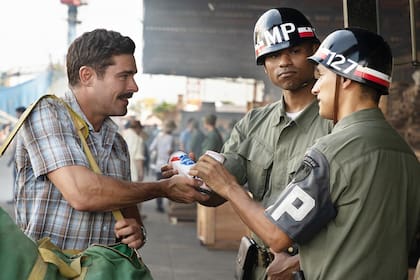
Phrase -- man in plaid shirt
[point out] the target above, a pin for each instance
(57, 194)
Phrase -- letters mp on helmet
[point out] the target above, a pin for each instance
(359, 55)
(281, 28)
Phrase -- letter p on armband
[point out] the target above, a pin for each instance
(297, 204)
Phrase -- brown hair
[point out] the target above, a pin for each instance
(96, 49)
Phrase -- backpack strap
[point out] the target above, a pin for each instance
(19, 123)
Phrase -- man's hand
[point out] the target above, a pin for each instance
(214, 174)
(184, 189)
(283, 266)
(129, 230)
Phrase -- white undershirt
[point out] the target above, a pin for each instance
(294, 115)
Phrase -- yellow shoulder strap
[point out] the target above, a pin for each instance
(19, 123)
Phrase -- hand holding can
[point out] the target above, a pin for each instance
(181, 162)
(220, 158)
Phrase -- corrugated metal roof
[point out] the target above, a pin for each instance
(198, 38)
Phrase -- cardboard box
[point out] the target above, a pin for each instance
(220, 227)
(182, 212)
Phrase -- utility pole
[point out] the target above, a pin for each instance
(72, 22)
(72, 18)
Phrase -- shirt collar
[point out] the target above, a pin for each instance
(70, 98)
(305, 119)
(280, 114)
(359, 116)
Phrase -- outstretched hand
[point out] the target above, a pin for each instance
(184, 189)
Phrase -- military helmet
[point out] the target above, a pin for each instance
(359, 55)
(281, 28)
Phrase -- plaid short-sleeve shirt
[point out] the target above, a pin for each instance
(46, 142)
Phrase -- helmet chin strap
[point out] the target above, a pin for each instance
(336, 93)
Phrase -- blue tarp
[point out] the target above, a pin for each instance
(25, 93)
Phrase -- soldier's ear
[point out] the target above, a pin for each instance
(346, 83)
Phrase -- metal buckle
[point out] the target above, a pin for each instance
(264, 257)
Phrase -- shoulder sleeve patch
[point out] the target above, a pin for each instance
(305, 206)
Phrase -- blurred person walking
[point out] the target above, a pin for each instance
(164, 144)
(213, 140)
(135, 145)
(197, 138)
(12, 163)
(136, 149)
(185, 136)
(18, 112)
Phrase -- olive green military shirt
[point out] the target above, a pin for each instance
(266, 147)
(374, 185)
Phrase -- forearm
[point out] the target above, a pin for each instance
(88, 191)
(112, 193)
(252, 214)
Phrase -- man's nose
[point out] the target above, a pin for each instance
(315, 88)
(284, 59)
